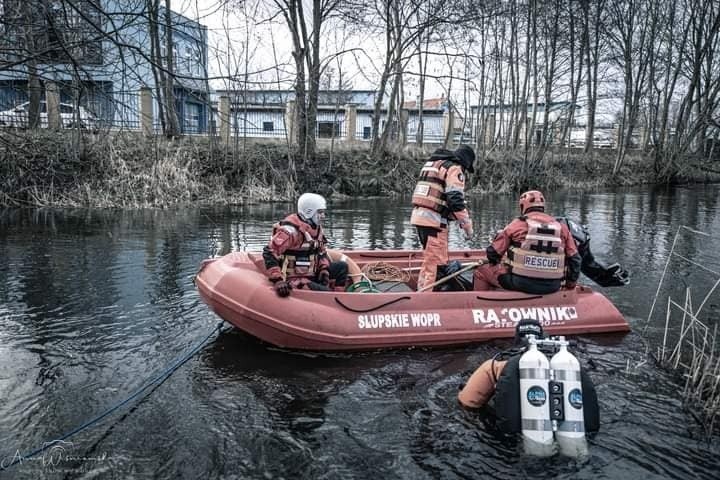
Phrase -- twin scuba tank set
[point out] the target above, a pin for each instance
(551, 399)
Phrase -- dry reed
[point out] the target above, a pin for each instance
(128, 170)
(690, 346)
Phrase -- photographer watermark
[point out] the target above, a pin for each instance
(57, 455)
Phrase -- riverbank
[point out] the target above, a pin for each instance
(127, 170)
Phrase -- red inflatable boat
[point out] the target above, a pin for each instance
(235, 287)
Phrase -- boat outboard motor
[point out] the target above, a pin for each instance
(537, 429)
(566, 400)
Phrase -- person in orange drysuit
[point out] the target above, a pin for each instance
(480, 387)
(437, 200)
(296, 255)
(532, 254)
(496, 382)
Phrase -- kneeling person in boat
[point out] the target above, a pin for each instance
(297, 253)
(533, 254)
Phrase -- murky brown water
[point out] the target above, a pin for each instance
(93, 303)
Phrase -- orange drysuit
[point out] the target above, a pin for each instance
(480, 387)
(438, 199)
(534, 265)
(296, 250)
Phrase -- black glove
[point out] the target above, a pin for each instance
(619, 274)
(493, 256)
(324, 277)
(282, 288)
(614, 276)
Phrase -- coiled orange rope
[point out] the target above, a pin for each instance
(385, 272)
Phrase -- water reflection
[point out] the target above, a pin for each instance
(94, 302)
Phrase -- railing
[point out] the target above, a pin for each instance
(259, 124)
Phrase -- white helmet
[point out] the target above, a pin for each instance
(308, 206)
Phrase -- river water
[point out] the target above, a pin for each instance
(93, 304)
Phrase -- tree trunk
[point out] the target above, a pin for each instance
(153, 7)
(172, 127)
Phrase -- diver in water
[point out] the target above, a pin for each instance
(498, 382)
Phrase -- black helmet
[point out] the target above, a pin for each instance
(528, 326)
(466, 157)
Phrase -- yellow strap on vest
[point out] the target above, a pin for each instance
(284, 268)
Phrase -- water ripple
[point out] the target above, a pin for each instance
(92, 304)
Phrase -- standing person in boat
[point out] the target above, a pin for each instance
(498, 377)
(296, 255)
(438, 199)
(532, 254)
(605, 276)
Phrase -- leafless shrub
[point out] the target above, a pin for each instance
(689, 345)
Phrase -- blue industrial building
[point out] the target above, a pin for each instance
(98, 53)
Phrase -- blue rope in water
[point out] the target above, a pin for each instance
(159, 379)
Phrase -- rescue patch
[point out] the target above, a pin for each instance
(544, 263)
(422, 190)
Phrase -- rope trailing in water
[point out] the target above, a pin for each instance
(159, 380)
(382, 271)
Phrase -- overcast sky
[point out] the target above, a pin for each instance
(228, 33)
(361, 69)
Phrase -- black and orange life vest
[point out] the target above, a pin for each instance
(541, 254)
(302, 261)
(430, 190)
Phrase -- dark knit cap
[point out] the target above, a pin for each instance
(466, 157)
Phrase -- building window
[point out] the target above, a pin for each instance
(366, 132)
(268, 127)
(192, 118)
(328, 129)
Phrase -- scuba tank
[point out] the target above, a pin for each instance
(566, 399)
(534, 410)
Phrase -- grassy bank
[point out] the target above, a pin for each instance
(42, 168)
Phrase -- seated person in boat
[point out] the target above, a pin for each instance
(498, 379)
(533, 254)
(437, 200)
(605, 276)
(297, 253)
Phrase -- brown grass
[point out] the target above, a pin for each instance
(127, 170)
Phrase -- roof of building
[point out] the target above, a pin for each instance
(275, 90)
(428, 104)
(508, 106)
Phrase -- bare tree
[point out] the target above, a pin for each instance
(593, 17)
(698, 110)
(172, 127)
(306, 38)
(576, 52)
(632, 33)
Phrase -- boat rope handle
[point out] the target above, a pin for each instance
(488, 299)
(157, 380)
(370, 309)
